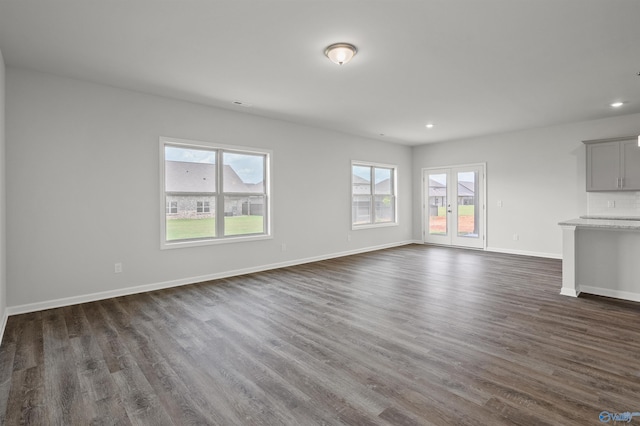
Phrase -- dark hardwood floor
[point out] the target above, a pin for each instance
(416, 335)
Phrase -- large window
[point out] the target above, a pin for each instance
(373, 194)
(213, 193)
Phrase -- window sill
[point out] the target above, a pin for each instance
(373, 225)
(212, 242)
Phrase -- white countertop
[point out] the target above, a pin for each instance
(592, 222)
(610, 217)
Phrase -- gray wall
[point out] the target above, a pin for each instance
(83, 190)
(3, 228)
(538, 174)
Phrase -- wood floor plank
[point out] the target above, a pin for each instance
(93, 372)
(172, 391)
(65, 404)
(27, 333)
(207, 389)
(76, 321)
(274, 375)
(414, 335)
(7, 355)
(26, 404)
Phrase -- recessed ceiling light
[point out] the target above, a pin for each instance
(616, 104)
(429, 126)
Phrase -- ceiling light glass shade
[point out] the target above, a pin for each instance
(340, 53)
(617, 104)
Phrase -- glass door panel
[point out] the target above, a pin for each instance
(468, 204)
(437, 206)
(437, 203)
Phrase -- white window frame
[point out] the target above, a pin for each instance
(219, 205)
(394, 186)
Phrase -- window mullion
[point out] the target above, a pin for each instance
(373, 195)
(219, 195)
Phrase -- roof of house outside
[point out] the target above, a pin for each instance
(437, 189)
(362, 186)
(466, 189)
(383, 187)
(185, 177)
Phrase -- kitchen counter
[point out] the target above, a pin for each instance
(603, 222)
(600, 256)
(595, 216)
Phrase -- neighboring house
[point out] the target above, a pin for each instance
(383, 187)
(191, 191)
(361, 206)
(466, 193)
(361, 186)
(438, 193)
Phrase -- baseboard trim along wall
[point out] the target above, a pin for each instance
(607, 292)
(525, 253)
(501, 250)
(67, 301)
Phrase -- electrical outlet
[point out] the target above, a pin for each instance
(516, 237)
(348, 237)
(499, 203)
(611, 204)
(117, 268)
(284, 247)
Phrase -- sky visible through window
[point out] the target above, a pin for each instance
(365, 173)
(462, 177)
(173, 153)
(250, 168)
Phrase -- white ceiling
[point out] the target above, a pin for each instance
(471, 67)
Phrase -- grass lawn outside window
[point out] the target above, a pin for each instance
(184, 229)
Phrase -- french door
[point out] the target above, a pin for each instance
(454, 205)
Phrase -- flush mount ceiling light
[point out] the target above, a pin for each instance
(340, 53)
(429, 126)
(616, 104)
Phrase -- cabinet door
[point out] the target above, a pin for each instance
(630, 160)
(603, 166)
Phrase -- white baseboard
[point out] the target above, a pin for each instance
(618, 294)
(525, 253)
(569, 292)
(92, 297)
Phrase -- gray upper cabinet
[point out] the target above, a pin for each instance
(613, 164)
